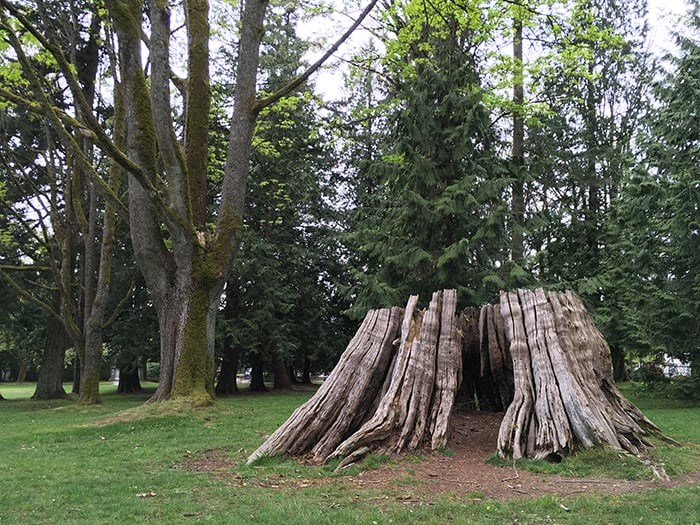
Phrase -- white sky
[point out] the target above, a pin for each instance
(663, 18)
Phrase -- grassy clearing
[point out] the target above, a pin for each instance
(124, 462)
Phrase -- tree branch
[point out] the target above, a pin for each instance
(101, 138)
(291, 86)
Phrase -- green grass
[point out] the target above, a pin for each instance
(123, 462)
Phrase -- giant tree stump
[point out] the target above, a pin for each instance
(390, 390)
(537, 356)
(565, 397)
(343, 401)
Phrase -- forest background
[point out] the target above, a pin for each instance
(474, 145)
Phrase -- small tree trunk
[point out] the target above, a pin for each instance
(98, 289)
(306, 372)
(282, 381)
(619, 364)
(257, 374)
(293, 379)
(129, 382)
(76, 375)
(227, 383)
(49, 384)
(22, 371)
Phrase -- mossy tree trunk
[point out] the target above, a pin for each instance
(185, 277)
(183, 244)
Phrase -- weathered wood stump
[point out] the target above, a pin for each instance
(344, 400)
(537, 356)
(422, 387)
(391, 389)
(565, 397)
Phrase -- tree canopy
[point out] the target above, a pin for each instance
(167, 164)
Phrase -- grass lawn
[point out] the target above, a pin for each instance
(123, 462)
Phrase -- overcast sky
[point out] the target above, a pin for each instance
(663, 15)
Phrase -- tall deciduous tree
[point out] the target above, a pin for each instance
(183, 251)
(284, 271)
(60, 208)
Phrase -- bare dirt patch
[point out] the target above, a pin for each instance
(461, 472)
(212, 461)
(465, 471)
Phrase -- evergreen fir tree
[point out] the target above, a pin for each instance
(436, 219)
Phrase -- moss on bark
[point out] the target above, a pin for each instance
(194, 375)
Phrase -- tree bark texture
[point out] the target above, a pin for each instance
(565, 397)
(344, 400)
(392, 389)
(537, 356)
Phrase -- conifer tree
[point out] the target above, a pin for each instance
(436, 218)
(655, 261)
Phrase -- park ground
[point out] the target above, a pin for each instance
(124, 461)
